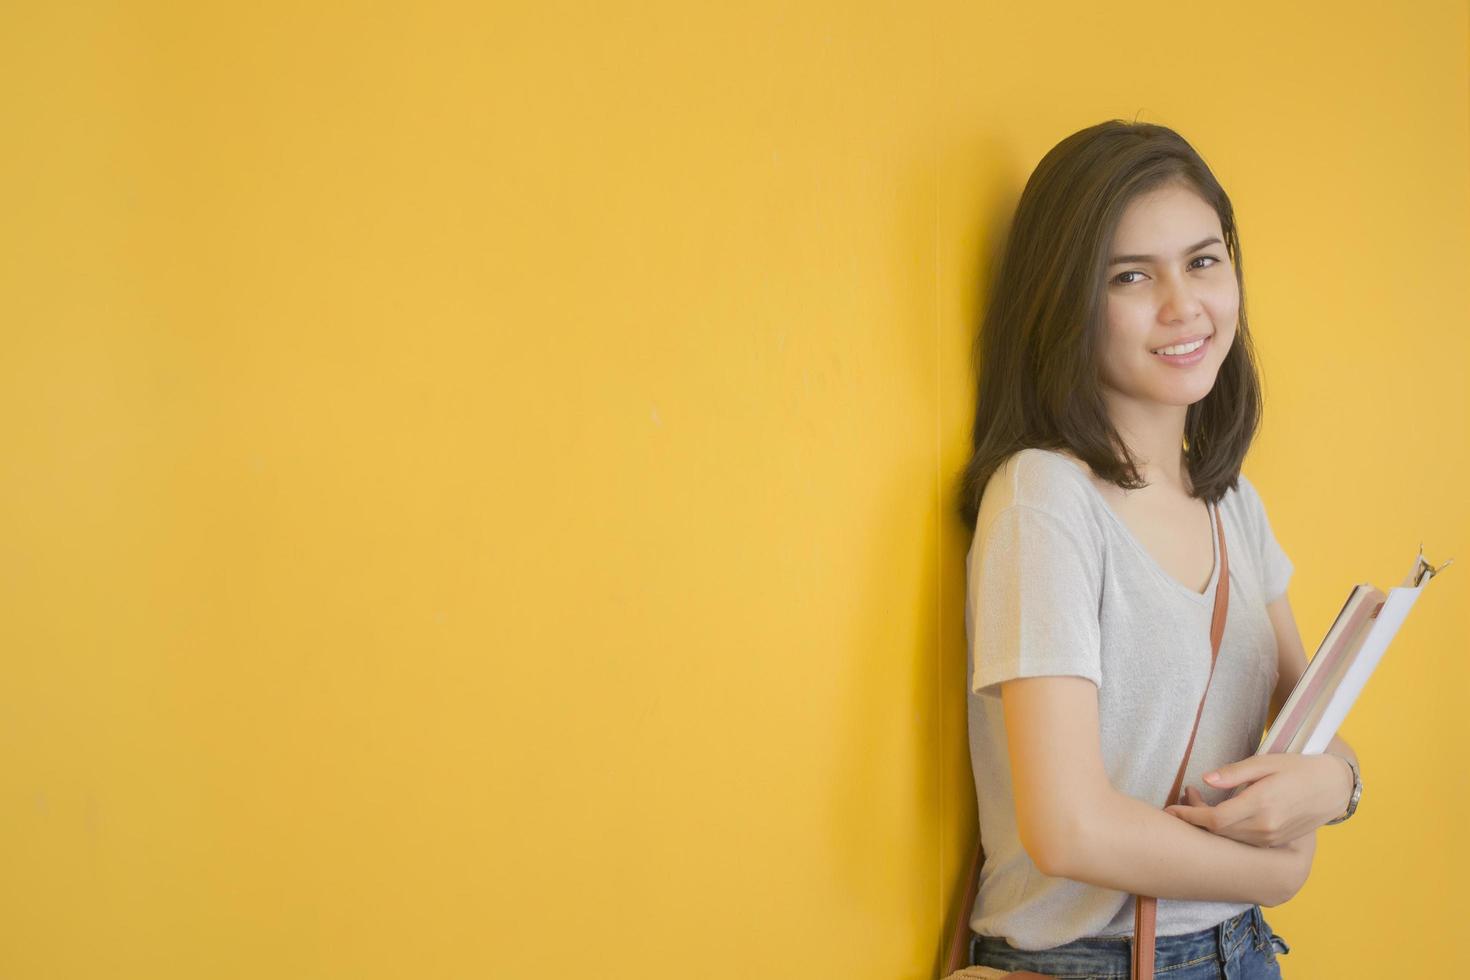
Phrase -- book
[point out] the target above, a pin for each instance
(1345, 659)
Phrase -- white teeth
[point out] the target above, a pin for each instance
(1181, 348)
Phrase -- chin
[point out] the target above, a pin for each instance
(1185, 395)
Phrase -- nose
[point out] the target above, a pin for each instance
(1180, 303)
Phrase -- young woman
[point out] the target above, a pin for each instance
(1118, 396)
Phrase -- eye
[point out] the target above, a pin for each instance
(1118, 279)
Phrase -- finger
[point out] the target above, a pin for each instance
(1248, 770)
(1200, 816)
(1235, 810)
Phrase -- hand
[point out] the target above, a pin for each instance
(1283, 795)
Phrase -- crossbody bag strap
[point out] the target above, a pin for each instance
(1145, 908)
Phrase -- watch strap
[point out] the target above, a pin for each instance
(1352, 806)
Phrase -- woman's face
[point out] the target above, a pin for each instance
(1178, 286)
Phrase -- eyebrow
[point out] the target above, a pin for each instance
(1120, 259)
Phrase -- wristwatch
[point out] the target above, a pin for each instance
(1357, 791)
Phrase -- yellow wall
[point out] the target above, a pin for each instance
(475, 499)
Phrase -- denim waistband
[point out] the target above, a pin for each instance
(1114, 954)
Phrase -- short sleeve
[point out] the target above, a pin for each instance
(1276, 566)
(1036, 597)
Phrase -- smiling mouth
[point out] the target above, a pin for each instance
(1192, 344)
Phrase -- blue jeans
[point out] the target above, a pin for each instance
(1240, 948)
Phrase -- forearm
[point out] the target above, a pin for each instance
(1130, 846)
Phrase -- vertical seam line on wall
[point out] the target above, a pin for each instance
(939, 633)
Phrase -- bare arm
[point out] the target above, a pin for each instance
(1128, 845)
(1075, 824)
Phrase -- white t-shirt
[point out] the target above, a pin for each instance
(1056, 583)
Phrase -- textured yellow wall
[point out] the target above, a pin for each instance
(476, 481)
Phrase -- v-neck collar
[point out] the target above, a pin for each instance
(1203, 598)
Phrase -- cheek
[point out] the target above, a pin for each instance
(1124, 350)
(1224, 303)
(1129, 330)
(1226, 316)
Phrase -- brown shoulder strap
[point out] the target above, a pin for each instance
(1145, 909)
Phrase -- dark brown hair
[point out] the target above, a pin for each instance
(1036, 355)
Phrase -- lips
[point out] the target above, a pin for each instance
(1181, 342)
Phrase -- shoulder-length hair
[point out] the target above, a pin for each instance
(1036, 355)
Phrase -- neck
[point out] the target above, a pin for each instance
(1154, 434)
